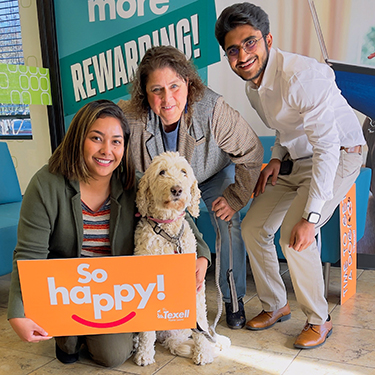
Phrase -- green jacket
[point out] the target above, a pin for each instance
(51, 225)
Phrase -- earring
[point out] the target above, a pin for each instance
(186, 107)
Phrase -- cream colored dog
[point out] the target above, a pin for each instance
(165, 191)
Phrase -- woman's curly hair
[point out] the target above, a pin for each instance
(165, 57)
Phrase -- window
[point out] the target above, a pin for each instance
(14, 118)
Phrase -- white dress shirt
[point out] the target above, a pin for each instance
(298, 97)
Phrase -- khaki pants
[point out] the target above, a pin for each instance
(109, 350)
(283, 205)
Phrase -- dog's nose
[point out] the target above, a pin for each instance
(176, 191)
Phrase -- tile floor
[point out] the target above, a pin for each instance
(350, 349)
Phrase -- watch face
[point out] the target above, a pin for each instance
(313, 217)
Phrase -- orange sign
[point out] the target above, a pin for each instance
(80, 296)
(348, 233)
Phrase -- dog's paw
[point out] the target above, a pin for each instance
(222, 342)
(203, 352)
(143, 359)
(203, 358)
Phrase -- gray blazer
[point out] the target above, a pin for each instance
(216, 136)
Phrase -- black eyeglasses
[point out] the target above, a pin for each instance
(248, 46)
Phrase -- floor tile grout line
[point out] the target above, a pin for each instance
(38, 368)
(291, 362)
(166, 364)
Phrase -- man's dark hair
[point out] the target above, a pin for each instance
(238, 15)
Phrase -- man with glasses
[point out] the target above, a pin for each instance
(315, 160)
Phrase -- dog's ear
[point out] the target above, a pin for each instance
(195, 198)
(142, 193)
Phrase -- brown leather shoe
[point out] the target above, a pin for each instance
(267, 319)
(313, 335)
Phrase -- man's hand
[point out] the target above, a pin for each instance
(200, 272)
(302, 236)
(28, 330)
(222, 209)
(272, 169)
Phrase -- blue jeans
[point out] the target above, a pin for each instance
(212, 189)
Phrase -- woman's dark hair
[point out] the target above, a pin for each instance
(68, 158)
(165, 57)
(238, 15)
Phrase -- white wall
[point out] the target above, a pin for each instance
(30, 155)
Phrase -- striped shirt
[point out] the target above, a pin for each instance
(96, 230)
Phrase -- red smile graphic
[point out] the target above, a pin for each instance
(104, 325)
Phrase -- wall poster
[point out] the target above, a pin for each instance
(101, 42)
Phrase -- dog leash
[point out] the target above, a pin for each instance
(230, 278)
(232, 288)
(208, 336)
(176, 240)
(219, 295)
(212, 336)
(161, 232)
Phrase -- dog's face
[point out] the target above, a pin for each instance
(168, 185)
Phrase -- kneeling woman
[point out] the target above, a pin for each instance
(91, 173)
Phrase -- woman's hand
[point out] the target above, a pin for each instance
(200, 272)
(371, 56)
(28, 330)
(222, 209)
(272, 169)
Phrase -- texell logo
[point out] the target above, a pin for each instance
(172, 316)
(103, 302)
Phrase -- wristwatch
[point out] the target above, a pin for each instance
(311, 217)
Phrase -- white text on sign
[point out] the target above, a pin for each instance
(82, 294)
